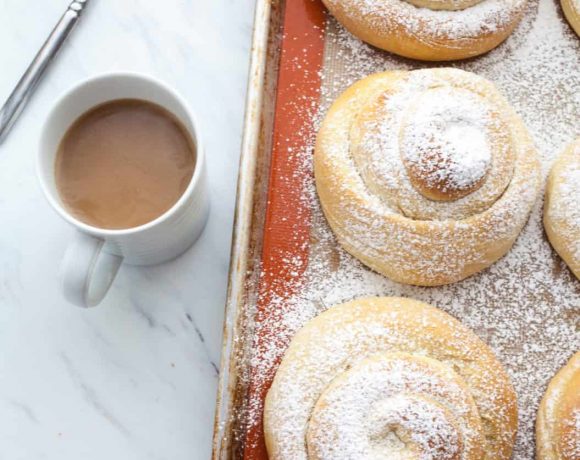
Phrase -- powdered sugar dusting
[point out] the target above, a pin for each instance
(387, 404)
(446, 140)
(559, 416)
(565, 205)
(396, 148)
(385, 217)
(569, 205)
(485, 17)
(336, 386)
(572, 443)
(526, 306)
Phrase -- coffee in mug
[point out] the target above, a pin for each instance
(121, 160)
(123, 163)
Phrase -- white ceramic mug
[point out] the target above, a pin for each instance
(95, 255)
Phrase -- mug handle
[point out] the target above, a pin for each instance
(88, 271)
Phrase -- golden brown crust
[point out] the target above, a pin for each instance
(558, 422)
(562, 207)
(571, 10)
(436, 31)
(364, 370)
(384, 221)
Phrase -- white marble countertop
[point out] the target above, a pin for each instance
(134, 378)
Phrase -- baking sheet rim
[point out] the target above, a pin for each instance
(242, 228)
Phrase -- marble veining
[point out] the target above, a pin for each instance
(136, 377)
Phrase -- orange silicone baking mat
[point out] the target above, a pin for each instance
(526, 306)
(287, 225)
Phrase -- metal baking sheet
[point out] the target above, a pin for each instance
(286, 266)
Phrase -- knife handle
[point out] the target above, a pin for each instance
(28, 82)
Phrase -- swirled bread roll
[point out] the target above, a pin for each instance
(562, 207)
(558, 423)
(431, 30)
(426, 176)
(381, 378)
(571, 10)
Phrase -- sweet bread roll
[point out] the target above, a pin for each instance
(571, 10)
(431, 30)
(558, 423)
(426, 176)
(380, 378)
(562, 207)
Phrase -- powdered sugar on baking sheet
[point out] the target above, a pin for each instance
(526, 306)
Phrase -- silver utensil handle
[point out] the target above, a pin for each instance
(25, 87)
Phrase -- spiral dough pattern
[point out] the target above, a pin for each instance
(380, 378)
(431, 30)
(425, 176)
